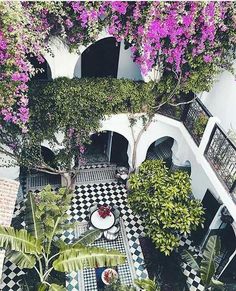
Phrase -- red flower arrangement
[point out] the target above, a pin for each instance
(104, 211)
(110, 276)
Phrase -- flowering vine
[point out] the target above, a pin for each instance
(191, 39)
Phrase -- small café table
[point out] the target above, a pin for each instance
(102, 223)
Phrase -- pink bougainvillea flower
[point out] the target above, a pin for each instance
(207, 58)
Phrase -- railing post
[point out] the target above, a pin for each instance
(207, 133)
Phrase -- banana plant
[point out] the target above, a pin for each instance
(32, 247)
(147, 284)
(207, 267)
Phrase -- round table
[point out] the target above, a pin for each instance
(102, 223)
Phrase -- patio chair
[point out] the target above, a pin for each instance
(114, 230)
(110, 236)
(116, 213)
(93, 208)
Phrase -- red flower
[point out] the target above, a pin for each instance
(104, 211)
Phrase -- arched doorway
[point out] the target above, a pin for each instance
(101, 59)
(161, 149)
(43, 69)
(107, 147)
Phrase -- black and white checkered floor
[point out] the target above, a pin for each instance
(113, 194)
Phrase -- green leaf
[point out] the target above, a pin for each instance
(55, 287)
(34, 224)
(147, 285)
(88, 237)
(190, 260)
(207, 268)
(19, 240)
(73, 260)
(21, 260)
(216, 283)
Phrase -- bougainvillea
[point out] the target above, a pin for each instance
(190, 40)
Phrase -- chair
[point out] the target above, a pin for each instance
(116, 213)
(93, 208)
(114, 230)
(110, 236)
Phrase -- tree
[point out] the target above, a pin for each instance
(164, 202)
(207, 267)
(39, 246)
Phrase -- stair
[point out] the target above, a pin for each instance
(96, 175)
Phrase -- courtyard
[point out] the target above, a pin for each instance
(117, 145)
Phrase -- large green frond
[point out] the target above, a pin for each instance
(73, 260)
(207, 269)
(147, 285)
(33, 224)
(19, 240)
(88, 237)
(21, 260)
(55, 287)
(190, 260)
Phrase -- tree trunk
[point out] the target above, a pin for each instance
(68, 180)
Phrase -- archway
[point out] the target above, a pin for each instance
(101, 59)
(107, 147)
(43, 69)
(161, 149)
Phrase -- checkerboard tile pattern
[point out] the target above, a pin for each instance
(113, 194)
(88, 276)
(193, 279)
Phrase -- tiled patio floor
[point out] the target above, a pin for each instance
(112, 194)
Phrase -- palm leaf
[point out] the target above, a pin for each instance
(34, 225)
(55, 287)
(207, 268)
(147, 285)
(21, 260)
(19, 240)
(88, 237)
(73, 260)
(190, 260)
(216, 283)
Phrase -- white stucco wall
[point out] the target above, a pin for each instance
(6, 171)
(126, 67)
(221, 100)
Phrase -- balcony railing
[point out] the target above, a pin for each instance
(195, 119)
(221, 154)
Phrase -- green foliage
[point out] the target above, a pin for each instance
(164, 202)
(41, 248)
(51, 205)
(200, 125)
(147, 285)
(207, 265)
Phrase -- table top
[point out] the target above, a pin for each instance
(102, 223)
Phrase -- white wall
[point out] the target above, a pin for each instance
(126, 67)
(221, 100)
(6, 171)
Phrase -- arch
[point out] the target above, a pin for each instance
(44, 70)
(108, 146)
(100, 59)
(161, 149)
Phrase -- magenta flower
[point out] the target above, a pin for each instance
(207, 58)
(23, 114)
(118, 6)
(7, 115)
(20, 77)
(69, 23)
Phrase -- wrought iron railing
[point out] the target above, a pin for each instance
(221, 154)
(175, 112)
(195, 119)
